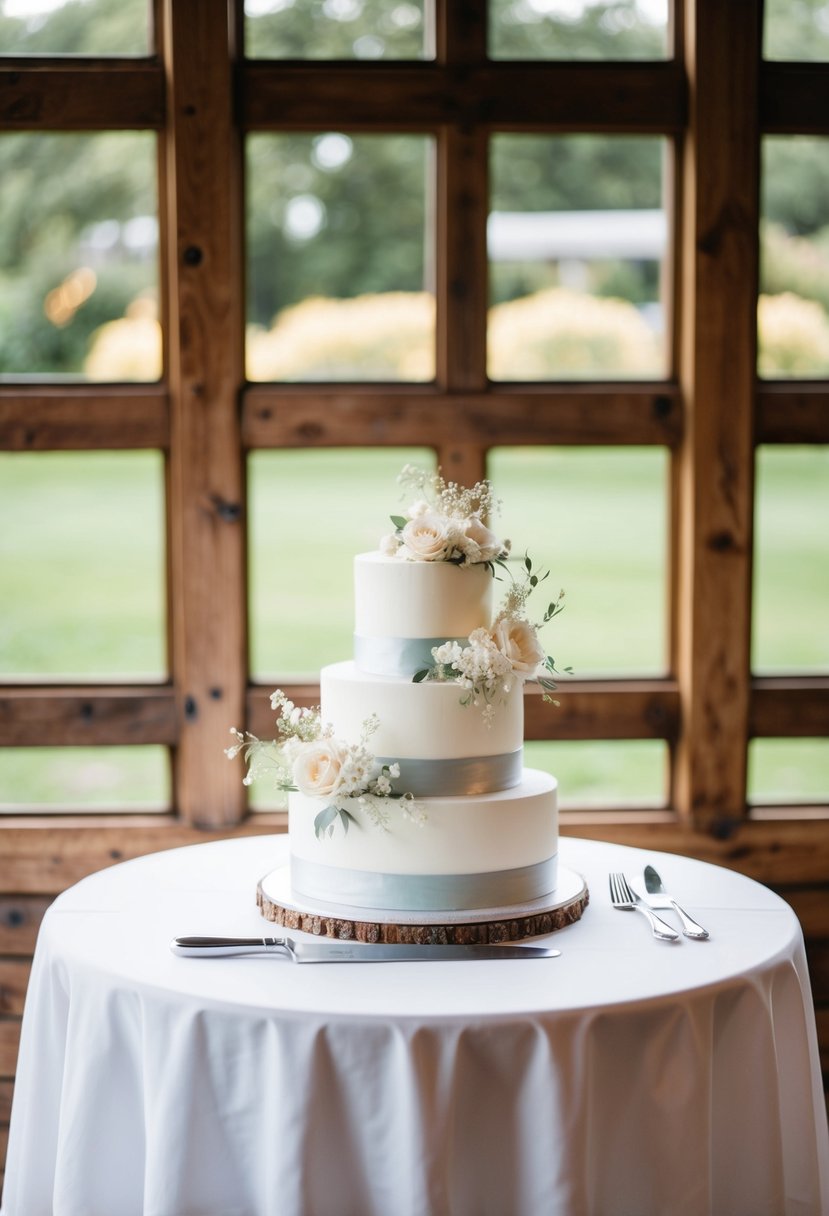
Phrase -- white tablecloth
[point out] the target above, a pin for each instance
(626, 1077)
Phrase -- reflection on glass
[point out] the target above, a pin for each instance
(82, 561)
(793, 310)
(788, 771)
(337, 29)
(339, 258)
(791, 560)
(108, 778)
(796, 30)
(577, 236)
(310, 513)
(74, 27)
(78, 257)
(607, 772)
(596, 519)
(578, 29)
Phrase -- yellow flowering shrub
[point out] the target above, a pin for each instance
(793, 337)
(127, 349)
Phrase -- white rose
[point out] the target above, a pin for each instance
(317, 768)
(428, 538)
(518, 641)
(488, 544)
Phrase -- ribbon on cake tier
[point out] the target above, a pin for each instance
(396, 656)
(423, 892)
(460, 777)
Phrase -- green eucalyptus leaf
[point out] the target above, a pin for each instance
(420, 676)
(324, 821)
(399, 521)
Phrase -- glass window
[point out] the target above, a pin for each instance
(330, 505)
(65, 778)
(577, 236)
(788, 771)
(796, 29)
(609, 772)
(596, 519)
(338, 29)
(578, 29)
(79, 257)
(82, 560)
(339, 258)
(75, 27)
(791, 560)
(793, 309)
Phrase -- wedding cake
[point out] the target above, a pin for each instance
(407, 789)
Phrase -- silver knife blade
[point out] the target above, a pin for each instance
(658, 897)
(348, 952)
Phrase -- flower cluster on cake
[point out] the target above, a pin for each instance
(466, 825)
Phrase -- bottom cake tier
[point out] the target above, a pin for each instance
(483, 851)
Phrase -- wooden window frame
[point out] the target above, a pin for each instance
(713, 101)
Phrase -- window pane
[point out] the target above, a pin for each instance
(334, 505)
(596, 519)
(796, 29)
(578, 29)
(339, 258)
(337, 29)
(82, 560)
(51, 778)
(614, 772)
(74, 27)
(788, 770)
(576, 236)
(78, 256)
(791, 560)
(793, 309)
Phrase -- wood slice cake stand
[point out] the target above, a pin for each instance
(278, 904)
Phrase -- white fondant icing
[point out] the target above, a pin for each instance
(423, 721)
(500, 831)
(394, 598)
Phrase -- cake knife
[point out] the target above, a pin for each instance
(348, 952)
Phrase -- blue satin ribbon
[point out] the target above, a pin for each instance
(396, 656)
(422, 892)
(458, 777)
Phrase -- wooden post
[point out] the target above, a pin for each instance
(714, 464)
(204, 329)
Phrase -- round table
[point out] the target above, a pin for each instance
(627, 1077)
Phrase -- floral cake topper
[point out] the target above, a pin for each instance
(445, 522)
(488, 665)
(307, 757)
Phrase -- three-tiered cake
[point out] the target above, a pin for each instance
(408, 797)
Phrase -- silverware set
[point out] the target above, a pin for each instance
(625, 899)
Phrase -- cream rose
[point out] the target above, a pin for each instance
(488, 544)
(428, 537)
(318, 768)
(518, 641)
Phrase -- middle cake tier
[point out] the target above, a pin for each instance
(445, 748)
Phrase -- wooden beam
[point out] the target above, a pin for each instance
(614, 97)
(85, 717)
(81, 94)
(605, 709)
(792, 411)
(790, 707)
(794, 98)
(714, 469)
(203, 231)
(395, 415)
(85, 417)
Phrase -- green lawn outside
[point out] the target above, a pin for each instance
(82, 589)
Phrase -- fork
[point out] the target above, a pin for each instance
(623, 898)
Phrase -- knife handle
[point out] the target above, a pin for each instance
(689, 926)
(215, 947)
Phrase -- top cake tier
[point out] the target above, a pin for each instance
(404, 608)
